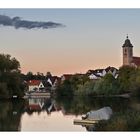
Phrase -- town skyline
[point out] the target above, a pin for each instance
(90, 39)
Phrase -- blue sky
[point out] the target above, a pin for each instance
(91, 38)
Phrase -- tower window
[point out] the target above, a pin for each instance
(125, 51)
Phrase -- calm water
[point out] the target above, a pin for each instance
(48, 114)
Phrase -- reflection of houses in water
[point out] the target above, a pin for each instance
(42, 104)
(64, 111)
(36, 104)
(53, 107)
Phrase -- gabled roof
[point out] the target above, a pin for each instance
(110, 69)
(52, 79)
(98, 70)
(46, 83)
(90, 72)
(136, 61)
(34, 82)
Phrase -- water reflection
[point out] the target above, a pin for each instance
(10, 115)
(125, 117)
(41, 104)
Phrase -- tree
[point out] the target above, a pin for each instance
(48, 74)
(126, 74)
(135, 82)
(8, 64)
(86, 89)
(108, 85)
(65, 89)
(10, 78)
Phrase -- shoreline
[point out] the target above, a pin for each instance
(48, 95)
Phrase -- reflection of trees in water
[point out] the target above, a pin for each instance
(76, 105)
(135, 103)
(10, 115)
(126, 112)
(82, 104)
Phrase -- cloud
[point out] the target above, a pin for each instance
(17, 22)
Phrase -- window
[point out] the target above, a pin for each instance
(125, 52)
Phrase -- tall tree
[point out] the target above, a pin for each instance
(10, 82)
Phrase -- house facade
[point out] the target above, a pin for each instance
(35, 85)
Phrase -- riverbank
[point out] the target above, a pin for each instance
(37, 95)
(125, 95)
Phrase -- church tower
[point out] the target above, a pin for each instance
(127, 52)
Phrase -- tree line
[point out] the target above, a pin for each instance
(128, 81)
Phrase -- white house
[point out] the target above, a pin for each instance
(35, 85)
(98, 73)
(94, 77)
(111, 70)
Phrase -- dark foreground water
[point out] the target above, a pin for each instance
(48, 114)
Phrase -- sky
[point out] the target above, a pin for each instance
(87, 39)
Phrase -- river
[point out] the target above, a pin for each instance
(49, 114)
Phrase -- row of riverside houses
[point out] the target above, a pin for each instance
(47, 85)
(99, 73)
(51, 82)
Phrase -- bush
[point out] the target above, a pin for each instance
(86, 89)
(108, 85)
(128, 120)
(65, 89)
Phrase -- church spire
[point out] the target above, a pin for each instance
(127, 42)
(127, 36)
(127, 52)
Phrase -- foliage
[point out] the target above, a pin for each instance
(135, 82)
(65, 89)
(127, 81)
(10, 78)
(8, 64)
(108, 85)
(78, 105)
(86, 89)
(126, 74)
(128, 120)
(70, 86)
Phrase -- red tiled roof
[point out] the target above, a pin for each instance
(34, 82)
(136, 61)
